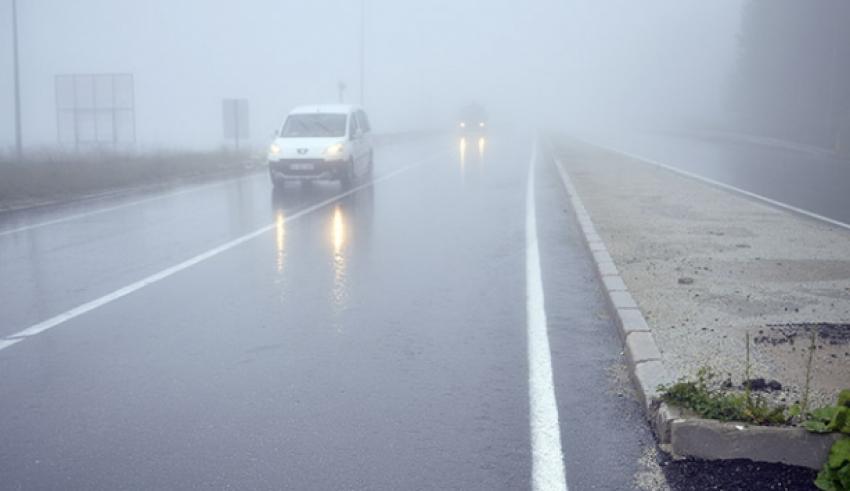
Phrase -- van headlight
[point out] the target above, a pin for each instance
(274, 149)
(335, 150)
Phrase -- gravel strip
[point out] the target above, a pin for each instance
(706, 266)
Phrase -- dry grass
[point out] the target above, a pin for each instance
(50, 176)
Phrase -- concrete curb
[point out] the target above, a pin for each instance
(680, 433)
(715, 440)
(643, 358)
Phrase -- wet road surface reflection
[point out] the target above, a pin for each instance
(382, 332)
(338, 233)
(320, 246)
(280, 239)
(471, 161)
(462, 147)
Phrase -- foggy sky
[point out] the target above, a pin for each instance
(555, 63)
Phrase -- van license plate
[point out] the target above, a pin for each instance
(302, 167)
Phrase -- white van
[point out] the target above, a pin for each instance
(328, 142)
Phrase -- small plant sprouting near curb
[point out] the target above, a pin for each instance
(798, 412)
(711, 400)
(708, 399)
(830, 419)
(835, 474)
(804, 405)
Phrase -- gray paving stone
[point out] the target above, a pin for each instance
(622, 300)
(614, 284)
(641, 347)
(631, 320)
(602, 257)
(647, 376)
(597, 247)
(607, 269)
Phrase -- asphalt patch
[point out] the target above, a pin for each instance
(827, 333)
(762, 385)
(735, 475)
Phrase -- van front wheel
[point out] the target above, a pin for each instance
(371, 166)
(348, 176)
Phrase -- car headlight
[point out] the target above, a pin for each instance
(274, 149)
(335, 150)
(481, 124)
(463, 124)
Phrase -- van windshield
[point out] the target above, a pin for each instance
(314, 125)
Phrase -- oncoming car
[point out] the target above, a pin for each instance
(329, 142)
(473, 119)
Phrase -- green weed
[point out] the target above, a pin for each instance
(835, 474)
(710, 400)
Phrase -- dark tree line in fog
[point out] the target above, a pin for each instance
(792, 80)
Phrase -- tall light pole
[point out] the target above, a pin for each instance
(18, 146)
(362, 52)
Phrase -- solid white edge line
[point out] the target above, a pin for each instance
(719, 184)
(121, 206)
(547, 458)
(122, 292)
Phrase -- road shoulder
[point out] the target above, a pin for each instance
(704, 267)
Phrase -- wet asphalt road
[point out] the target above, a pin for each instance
(375, 342)
(813, 182)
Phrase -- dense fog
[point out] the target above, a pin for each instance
(540, 63)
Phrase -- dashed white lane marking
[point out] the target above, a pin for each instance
(728, 187)
(547, 459)
(122, 292)
(5, 343)
(99, 211)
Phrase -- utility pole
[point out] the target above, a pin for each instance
(362, 52)
(18, 147)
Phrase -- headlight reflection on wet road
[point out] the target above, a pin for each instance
(338, 238)
(280, 239)
(477, 156)
(462, 154)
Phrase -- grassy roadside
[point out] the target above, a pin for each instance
(56, 177)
